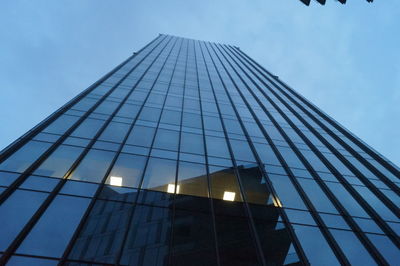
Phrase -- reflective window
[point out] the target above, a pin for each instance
(286, 192)
(15, 212)
(224, 184)
(217, 147)
(127, 170)
(167, 139)
(114, 132)
(20, 160)
(160, 175)
(93, 166)
(192, 143)
(311, 239)
(352, 247)
(51, 234)
(389, 251)
(88, 128)
(59, 162)
(61, 124)
(141, 136)
(192, 179)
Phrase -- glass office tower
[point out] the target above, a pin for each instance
(191, 153)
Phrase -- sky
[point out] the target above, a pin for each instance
(343, 58)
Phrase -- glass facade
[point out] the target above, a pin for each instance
(191, 153)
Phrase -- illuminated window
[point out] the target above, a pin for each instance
(116, 181)
(230, 196)
(171, 188)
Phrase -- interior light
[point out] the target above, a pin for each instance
(116, 181)
(171, 188)
(230, 196)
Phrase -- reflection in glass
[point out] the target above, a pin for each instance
(127, 170)
(59, 162)
(93, 166)
(159, 173)
(224, 180)
(20, 160)
(192, 179)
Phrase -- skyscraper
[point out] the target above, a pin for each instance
(191, 153)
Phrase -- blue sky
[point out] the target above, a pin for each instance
(344, 58)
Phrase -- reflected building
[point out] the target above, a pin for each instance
(191, 153)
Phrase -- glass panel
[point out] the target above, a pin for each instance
(59, 162)
(286, 192)
(317, 196)
(20, 160)
(88, 128)
(101, 237)
(7, 179)
(23, 261)
(160, 175)
(166, 139)
(192, 143)
(114, 132)
(148, 237)
(15, 212)
(93, 166)
(224, 184)
(40, 183)
(255, 188)
(241, 150)
(127, 170)
(192, 179)
(311, 241)
(389, 251)
(61, 124)
(352, 247)
(141, 136)
(51, 234)
(217, 147)
(193, 239)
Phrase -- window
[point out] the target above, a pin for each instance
(192, 143)
(115, 132)
(166, 139)
(88, 128)
(217, 147)
(93, 167)
(51, 234)
(224, 184)
(59, 162)
(127, 170)
(20, 160)
(141, 136)
(61, 124)
(159, 174)
(192, 179)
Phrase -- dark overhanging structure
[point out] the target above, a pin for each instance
(191, 153)
(322, 2)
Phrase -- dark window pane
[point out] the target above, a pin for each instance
(148, 237)
(128, 110)
(93, 166)
(51, 234)
(241, 150)
(390, 252)
(224, 184)
(286, 192)
(171, 117)
(7, 179)
(311, 241)
(15, 212)
(25, 156)
(255, 188)
(59, 162)
(192, 179)
(352, 247)
(127, 170)
(23, 261)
